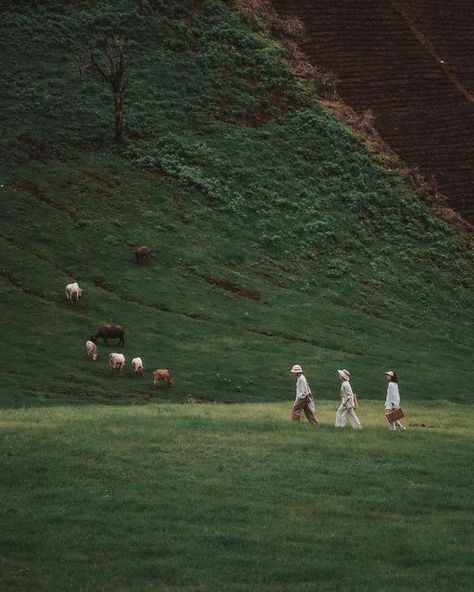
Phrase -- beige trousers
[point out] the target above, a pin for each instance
(305, 404)
(343, 413)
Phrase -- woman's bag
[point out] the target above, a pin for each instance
(395, 415)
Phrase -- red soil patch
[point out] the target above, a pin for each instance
(158, 174)
(99, 176)
(98, 283)
(13, 282)
(33, 190)
(234, 288)
(9, 279)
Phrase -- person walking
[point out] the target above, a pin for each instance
(392, 400)
(346, 408)
(304, 400)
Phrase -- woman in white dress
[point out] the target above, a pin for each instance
(392, 400)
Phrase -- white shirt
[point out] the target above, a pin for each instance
(393, 396)
(347, 396)
(302, 387)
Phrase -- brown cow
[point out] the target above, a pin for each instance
(107, 332)
(142, 254)
(162, 374)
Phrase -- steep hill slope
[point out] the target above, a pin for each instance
(411, 63)
(277, 239)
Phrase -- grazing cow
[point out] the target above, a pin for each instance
(162, 374)
(142, 254)
(91, 349)
(137, 366)
(73, 292)
(116, 362)
(107, 332)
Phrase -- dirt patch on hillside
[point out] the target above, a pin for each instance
(98, 283)
(235, 289)
(159, 175)
(99, 176)
(272, 280)
(36, 192)
(42, 151)
(276, 103)
(13, 282)
(9, 279)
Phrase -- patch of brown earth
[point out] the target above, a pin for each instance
(35, 191)
(98, 283)
(99, 176)
(254, 295)
(15, 283)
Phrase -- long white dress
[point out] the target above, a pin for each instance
(392, 401)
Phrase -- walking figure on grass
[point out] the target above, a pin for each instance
(346, 408)
(304, 400)
(392, 401)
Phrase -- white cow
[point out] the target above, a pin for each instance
(137, 366)
(91, 349)
(73, 292)
(116, 362)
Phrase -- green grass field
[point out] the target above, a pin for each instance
(277, 239)
(235, 497)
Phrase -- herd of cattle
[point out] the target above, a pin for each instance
(105, 332)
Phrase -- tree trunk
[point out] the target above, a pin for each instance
(118, 102)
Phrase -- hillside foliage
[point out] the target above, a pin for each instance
(277, 238)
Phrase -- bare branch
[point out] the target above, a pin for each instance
(114, 49)
(108, 51)
(90, 61)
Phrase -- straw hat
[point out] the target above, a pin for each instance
(344, 374)
(296, 369)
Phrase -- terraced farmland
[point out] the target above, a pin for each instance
(386, 62)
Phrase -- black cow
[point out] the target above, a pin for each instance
(109, 332)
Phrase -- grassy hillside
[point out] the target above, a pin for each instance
(234, 497)
(277, 238)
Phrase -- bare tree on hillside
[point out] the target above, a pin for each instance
(113, 73)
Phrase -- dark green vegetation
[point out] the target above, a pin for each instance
(277, 239)
(234, 497)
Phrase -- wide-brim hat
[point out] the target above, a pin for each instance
(344, 374)
(296, 368)
(389, 373)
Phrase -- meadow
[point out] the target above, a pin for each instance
(235, 497)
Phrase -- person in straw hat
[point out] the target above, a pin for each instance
(346, 408)
(304, 400)
(392, 400)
